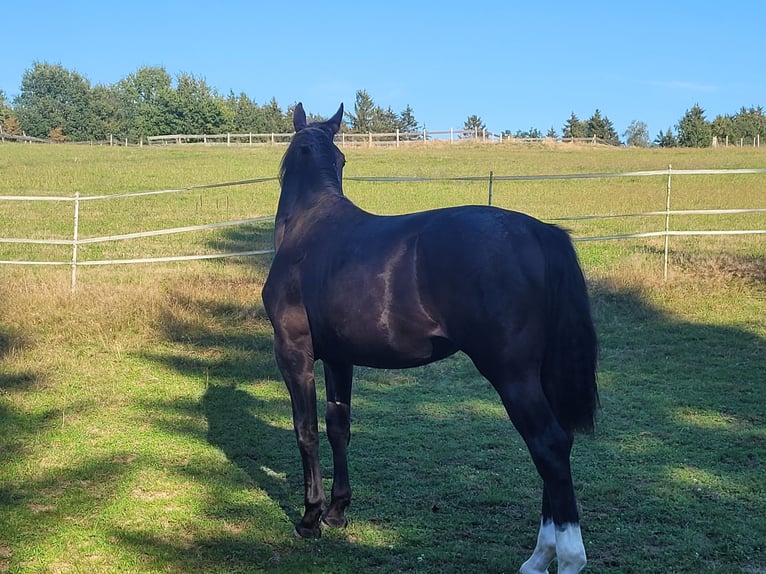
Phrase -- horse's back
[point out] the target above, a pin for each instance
(405, 290)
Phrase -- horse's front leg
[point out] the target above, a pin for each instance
(338, 378)
(295, 360)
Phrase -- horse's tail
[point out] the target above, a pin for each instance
(571, 347)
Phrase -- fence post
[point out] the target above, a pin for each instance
(74, 240)
(491, 179)
(667, 224)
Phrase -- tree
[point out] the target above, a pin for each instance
(531, 133)
(723, 129)
(749, 123)
(573, 128)
(407, 121)
(147, 106)
(246, 116)
(5, 109)
(367, 117)
(52, 97)
(473, 123)
(8, 122)
(385, 121)
(637, 134)
(552, 133)
(198, 107)
(694, 130)
(11, 126)
(362, 119)
(106, 108)
(57, 135)
(275, 120)
(601, 127)
(667, 139)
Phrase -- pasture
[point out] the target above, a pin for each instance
(144, 426)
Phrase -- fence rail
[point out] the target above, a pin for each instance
(345, 139)
(396, 138)
(77, 241)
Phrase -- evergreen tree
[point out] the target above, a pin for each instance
(362, 119)
(385, 121)
(407, 122)
(474, 124)
(531, 133)
(694, 130)
(275, 120)
(247, 117)
(573, 128)
(601, 127)
(667, 139)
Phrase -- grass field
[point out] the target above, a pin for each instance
(144, 426)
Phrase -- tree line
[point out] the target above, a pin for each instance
(60, 104)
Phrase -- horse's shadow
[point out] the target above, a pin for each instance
(252, 428)
(263, 451)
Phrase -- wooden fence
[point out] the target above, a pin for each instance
(370, 139)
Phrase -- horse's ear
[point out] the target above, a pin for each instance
(334, 122)
(299, 117)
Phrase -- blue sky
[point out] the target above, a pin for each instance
(517, 65)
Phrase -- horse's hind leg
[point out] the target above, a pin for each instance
(338, 418)
(550, 447)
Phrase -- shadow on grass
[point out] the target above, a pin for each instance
(681, 441)
(15, 426)
(443, 483)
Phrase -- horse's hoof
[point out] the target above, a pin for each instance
(331, 522)
(303, 532)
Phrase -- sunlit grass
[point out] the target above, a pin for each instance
(144, 426)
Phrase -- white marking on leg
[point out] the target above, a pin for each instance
(570, 550)
(544, 552)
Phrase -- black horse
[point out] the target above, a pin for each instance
(352, 288)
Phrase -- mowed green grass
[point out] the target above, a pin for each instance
(144, 426)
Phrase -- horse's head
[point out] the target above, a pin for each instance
(329, 128)
(312, 168)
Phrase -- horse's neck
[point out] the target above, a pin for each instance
(296, 202)
(300, 210)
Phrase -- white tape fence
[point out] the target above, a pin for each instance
(77, 241)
